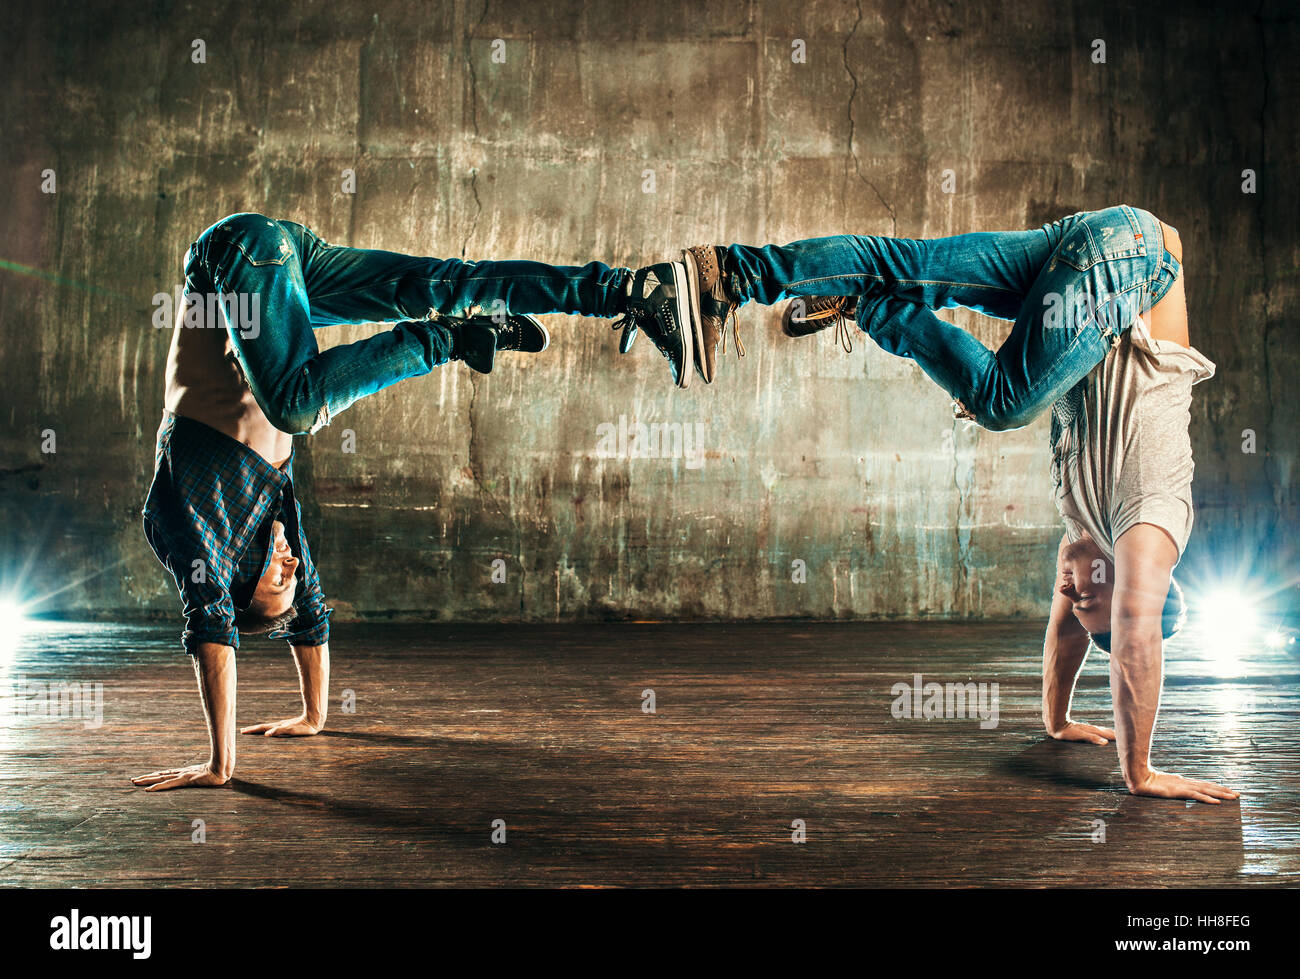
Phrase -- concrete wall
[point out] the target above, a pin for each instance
(850, 463)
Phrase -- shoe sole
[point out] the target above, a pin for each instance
(685, 323)
(693, 297)
(787, 318)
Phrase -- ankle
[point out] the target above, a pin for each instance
(455, 339)
(619, 290)
(727, 275)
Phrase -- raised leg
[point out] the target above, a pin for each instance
(366, 285)
(297, 385)
(991, 272)
(1089, 292)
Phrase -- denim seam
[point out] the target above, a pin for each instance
(749, 282)
(494, 278)
(1136, 226)
(949, 282)
(243, 251)
(348, 292)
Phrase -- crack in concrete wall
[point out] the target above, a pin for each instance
(833, 460)
(852, 150)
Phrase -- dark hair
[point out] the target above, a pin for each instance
(1171, 619)
(252, 623)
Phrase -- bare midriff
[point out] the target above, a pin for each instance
(1167, 319)
(206, 383)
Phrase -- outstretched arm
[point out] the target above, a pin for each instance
(314, 682)
(1065, 647)
(1144, 557)
(214, 666)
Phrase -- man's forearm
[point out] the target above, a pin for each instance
(1136, 677)
(314, 681)
(214, 666)
(1062, 662)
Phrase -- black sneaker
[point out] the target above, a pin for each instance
(521, 332)
(480, 337)
(658, 303)
(807, 315)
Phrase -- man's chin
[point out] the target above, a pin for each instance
(1092, 620)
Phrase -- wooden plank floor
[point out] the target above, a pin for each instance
(542, 726)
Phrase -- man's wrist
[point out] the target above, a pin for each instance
(223, 768)
(1136, 775)
(1054, 718)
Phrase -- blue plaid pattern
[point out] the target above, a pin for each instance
(208, 519)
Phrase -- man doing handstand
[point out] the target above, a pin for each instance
(1100, 336)
(244, 374)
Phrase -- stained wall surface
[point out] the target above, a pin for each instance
(567, 132)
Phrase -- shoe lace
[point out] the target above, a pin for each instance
(638, 317)
(844, 332)
(834, 306)
(735, 331)
(632, 319)
(843, 327)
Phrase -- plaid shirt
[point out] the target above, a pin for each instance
(212, 501)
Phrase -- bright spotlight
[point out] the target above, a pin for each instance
(1279, 639)
(1229, 620)
(12, 622)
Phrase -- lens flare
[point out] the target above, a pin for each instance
(13, 620)
(1279, 639)
(1228, 621)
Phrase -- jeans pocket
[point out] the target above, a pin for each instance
(258, 241)
(1077, 248)
(1102, 236)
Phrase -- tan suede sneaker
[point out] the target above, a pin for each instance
(711, 303)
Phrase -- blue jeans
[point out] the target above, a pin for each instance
(299, 282)
(1072, 287)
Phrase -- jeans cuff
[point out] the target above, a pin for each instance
(322, 419)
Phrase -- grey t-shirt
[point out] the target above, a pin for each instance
(1121, 453)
